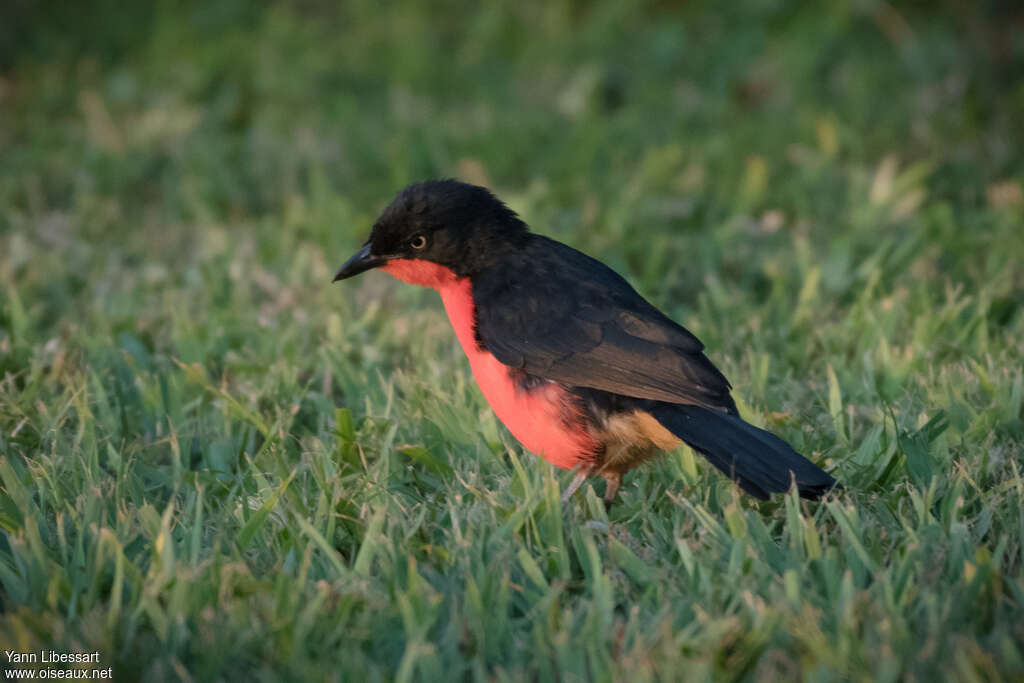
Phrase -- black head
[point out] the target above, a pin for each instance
(456, 225)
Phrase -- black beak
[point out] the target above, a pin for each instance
(361, 261)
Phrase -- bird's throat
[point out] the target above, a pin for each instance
(456, 293)
(422, 273)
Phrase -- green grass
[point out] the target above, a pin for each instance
(216, 465)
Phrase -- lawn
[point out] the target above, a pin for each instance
(215, 465)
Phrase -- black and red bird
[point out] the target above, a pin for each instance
(581, 369)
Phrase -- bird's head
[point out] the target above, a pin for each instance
(436, 231)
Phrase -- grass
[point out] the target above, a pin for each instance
(215, 465)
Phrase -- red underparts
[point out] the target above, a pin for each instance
(540, 418)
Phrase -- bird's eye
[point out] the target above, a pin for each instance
(418, 242)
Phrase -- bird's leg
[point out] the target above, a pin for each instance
(582, 472)
(612, 479)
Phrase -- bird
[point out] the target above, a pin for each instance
(581, 369)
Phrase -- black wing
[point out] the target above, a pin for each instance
(561, 315)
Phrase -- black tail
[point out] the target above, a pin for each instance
(760, 462)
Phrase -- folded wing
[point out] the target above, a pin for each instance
(563, 316)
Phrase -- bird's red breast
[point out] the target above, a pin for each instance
(543, 417)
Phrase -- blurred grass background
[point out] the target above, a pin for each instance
(215, 465)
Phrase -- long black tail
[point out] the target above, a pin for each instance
(760, 462)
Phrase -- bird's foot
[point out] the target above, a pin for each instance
(612, 480)
(577, 481)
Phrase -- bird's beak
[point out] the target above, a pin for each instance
(361, 261)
